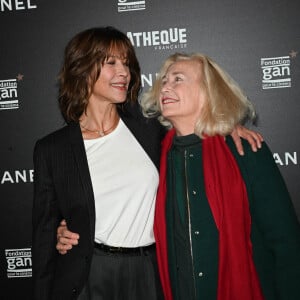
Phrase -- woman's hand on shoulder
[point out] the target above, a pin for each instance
(254, 138)
(65, 239)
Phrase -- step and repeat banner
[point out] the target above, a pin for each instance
(257, 42)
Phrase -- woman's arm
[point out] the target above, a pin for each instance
(275, 229)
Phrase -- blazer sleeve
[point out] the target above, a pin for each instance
(45, 219)
(275, 219)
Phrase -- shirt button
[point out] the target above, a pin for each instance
(200, 274)
(194, 192)
(196, 232)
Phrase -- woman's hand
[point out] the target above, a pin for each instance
(254, 138)
(65, 239)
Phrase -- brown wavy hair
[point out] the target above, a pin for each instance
(83, 58)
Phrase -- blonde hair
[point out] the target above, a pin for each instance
(225, 103)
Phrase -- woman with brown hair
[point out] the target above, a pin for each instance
(99, 173)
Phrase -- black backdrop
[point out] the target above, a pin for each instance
(257, 42)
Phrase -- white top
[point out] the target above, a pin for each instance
(124, 182)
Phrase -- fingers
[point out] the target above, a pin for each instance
(238, 142)
(258, 137)
(62, 226)
(63, 244)
(65, 235)
(254, 138)
(63, 249)
(65, 239)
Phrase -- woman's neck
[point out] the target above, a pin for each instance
(99, 121)
(183, 129)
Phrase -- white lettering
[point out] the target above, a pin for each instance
(164, 37)
(174, 35)
(147, 38)
(8, 5)
(30, 6)
(147, 80)
(182, 35)
(155, 38)
(16, 5)
(158, 38)
(8, 83)
(137, 35)
(284, 60)
(8, 93)
(288, 158)
(17, 262)
(271, 72)
(6, 177)
(18, 176)
(31, 173)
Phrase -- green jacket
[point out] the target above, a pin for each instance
(275, 229)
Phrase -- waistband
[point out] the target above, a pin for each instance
(124, 250)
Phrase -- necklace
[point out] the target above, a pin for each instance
(101, 132)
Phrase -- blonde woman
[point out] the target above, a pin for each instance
(225, 226)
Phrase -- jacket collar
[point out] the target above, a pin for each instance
(78, 149)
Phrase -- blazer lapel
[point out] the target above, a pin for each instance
(80, 156)
(148, 132)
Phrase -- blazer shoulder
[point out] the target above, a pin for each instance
(57, 138)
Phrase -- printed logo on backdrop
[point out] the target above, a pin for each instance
(16, 176)
(19, 262)
(165, 39)
(286, 158)
(9, 93)
(148, 79)
(127, 5)
(12, 5)
(276, 71)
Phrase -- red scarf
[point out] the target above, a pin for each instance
(227, 197)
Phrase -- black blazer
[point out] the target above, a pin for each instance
(63, 189)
